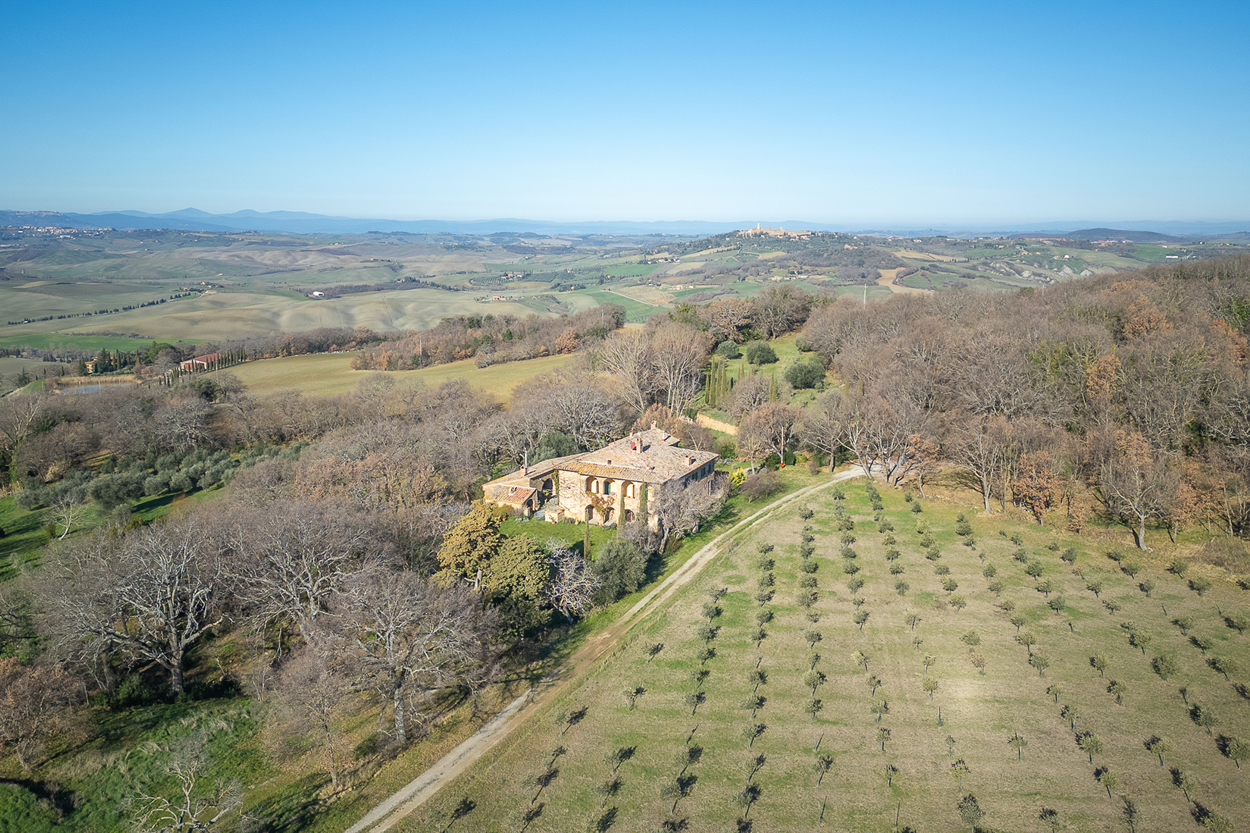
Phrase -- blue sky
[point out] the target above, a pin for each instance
(870, 113)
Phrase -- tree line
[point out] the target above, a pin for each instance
(491, 339)
(1131, 387)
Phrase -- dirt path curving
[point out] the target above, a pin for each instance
(388, 812)
(887, 279)
(716, 425)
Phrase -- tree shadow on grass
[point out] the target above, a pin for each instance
(62, 801)
(122, 729)
(605, 821)
(293, 809)
(23, 539)
(148, 507)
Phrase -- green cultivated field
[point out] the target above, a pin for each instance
(706, 763)
(327, 374)
(78, 342)
(634, 310)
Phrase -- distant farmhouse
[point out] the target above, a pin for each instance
(775, 232)
(199, 362)
(606, 485)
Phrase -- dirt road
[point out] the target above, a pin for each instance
(417, 792)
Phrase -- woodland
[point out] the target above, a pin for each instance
(334, 545)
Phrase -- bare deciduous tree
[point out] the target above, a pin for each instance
(17, 416)
(626, 355)
(290, 558)
(981, 450)
(822, 426)
(150, 597)
(678, 353)
(406, 637)
(192, 811)
(778, 309)
(572, 586)
(1135, 486)
(770, 428)
(312, 693)
(36, 702)
(68, 511)
(681, 510)
(749, 393)
(726, 318)
(891, 424)
(181, 423)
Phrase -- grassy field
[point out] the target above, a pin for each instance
(50, 341)
(719, 777)
(10, 368)
(635, 310)
(259, 280)
(243, 313)
(921, 280)
(35, 299)
(630, 270)
(331, 373)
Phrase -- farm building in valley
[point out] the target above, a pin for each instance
(606, 485)
(198, 363)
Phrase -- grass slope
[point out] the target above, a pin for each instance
(73, 341)
(331, 373)
(981, 712)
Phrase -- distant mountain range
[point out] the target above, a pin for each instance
(299, 222)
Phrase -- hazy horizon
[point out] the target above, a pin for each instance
(306, 222)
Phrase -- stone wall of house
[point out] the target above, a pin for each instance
(576, 500)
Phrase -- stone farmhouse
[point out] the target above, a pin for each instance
(606, 485)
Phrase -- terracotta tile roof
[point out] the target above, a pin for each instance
(507, 493)
(650, 456)
(535, 471)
